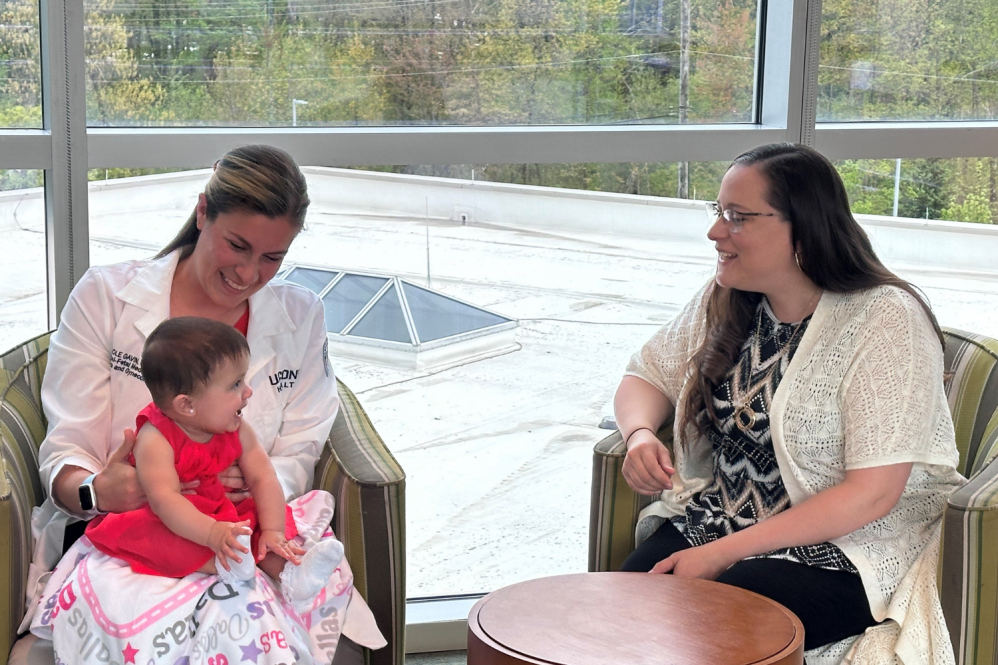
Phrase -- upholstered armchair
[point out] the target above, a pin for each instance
(968, 571)
(355, 467)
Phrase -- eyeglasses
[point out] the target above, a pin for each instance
(733, 219)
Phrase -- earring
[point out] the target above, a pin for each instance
(797, 259)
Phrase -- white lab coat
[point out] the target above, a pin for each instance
(92, 389)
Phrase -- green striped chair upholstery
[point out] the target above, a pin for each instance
(369, 487)
(22, 428)
(355, 467)
(968, 569)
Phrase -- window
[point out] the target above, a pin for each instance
(20, 69)
(23, 304)
(495, 432)
(958, 190)
(135, 212)
(900, 60)
(510, 62)
(952, 263)
(496, 436)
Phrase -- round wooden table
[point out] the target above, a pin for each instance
(632, 619)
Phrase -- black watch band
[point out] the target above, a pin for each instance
(88, 495)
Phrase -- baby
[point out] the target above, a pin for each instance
(195, 370)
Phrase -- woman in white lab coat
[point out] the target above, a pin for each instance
(219, 266)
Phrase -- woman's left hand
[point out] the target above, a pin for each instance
(232, 479)
(706, 562)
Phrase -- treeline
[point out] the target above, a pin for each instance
(487, 62)
(908, 60)
(465, 62)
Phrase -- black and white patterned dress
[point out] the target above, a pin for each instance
(747, 486)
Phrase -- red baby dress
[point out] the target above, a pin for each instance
(140, 537)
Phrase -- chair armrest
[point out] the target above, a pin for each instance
(369, 486)
(614, 506)
(22, 428)
(15, 554)
(968, 565)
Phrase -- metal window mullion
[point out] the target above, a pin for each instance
(782, 66)
(64, 118)
(370, 146)
(809, 84)
(25, 149)
(367, 308)
(329, 287)
(758, 84)
(156, 147)
(906, 140)
(406, 312)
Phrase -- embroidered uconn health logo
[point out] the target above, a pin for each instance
(126, 363)
(284, 379)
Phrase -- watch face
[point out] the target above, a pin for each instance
(88, 498)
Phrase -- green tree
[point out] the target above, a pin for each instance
(974, 192)
(116, 93)
(20, 71)
(923, 190)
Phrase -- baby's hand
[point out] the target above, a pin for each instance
(222, 541)
(279, 545)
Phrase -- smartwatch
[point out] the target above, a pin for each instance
(88, 495)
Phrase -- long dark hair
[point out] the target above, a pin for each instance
(833, 250)
(255, 178)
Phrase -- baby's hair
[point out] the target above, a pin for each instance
(181, 354)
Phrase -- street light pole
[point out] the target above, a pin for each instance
(294, 110)
(897, 187)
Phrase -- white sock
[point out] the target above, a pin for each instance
(300, 584)
(243, 571)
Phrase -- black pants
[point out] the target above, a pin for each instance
(74, 532)
(830, 603)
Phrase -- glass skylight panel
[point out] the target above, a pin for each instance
(350, 295)
(436, 316)
(311, 279)
(384, 321)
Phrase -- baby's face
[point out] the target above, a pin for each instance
(218, 406)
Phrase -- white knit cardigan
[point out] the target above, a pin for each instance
(864, 389)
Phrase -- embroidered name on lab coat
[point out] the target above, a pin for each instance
(284, 379)
(127, 363)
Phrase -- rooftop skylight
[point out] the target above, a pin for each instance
(400, 322)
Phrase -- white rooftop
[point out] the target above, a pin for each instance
(498, 451)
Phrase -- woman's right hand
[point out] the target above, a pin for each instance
(117, 485)
(648, 465)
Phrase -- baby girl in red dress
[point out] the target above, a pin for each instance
(195, 370)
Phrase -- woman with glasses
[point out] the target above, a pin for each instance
(814, 445)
